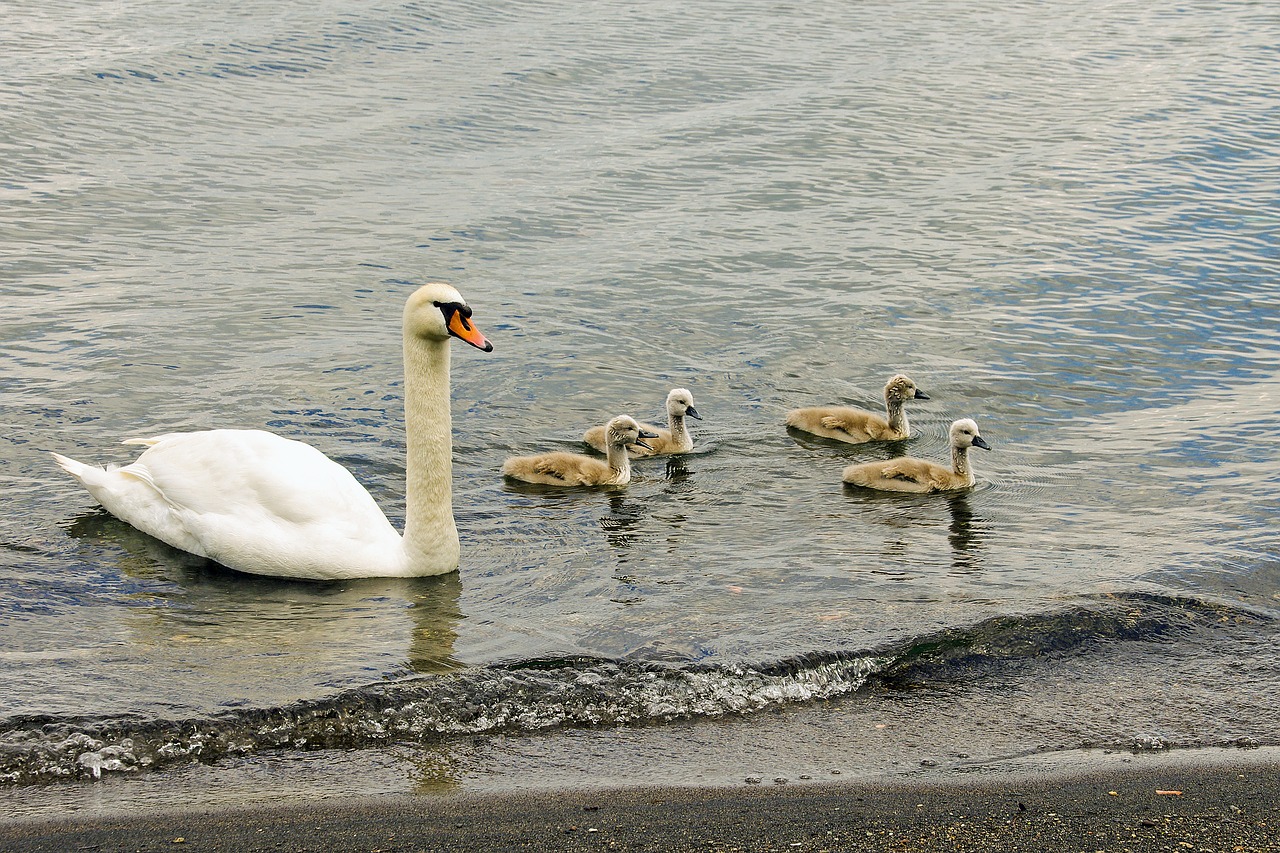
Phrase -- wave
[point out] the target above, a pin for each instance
(538, 695)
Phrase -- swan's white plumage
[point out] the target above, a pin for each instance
(278, 505)
(263, 504)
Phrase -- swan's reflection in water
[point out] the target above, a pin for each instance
(966, 533)
(676, 472)
(622, 523)
(916, 522)
(252, 640)
(207, 640)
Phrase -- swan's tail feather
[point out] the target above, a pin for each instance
(148, 442)
(72, 467)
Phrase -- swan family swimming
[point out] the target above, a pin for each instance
(264, 504)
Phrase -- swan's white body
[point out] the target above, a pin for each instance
(262, 504)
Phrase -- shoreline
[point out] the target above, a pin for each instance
(1226, 800)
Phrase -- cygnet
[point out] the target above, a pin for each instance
(907, 474)
(560, 468)
(855, 426)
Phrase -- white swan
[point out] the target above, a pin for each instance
(559, 468)
(674, 439)
(855, 426)
(907, 474)
(259, 503)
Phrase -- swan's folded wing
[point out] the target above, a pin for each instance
(257, 474)
(260, 503)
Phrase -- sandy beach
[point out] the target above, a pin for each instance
(1179, 802)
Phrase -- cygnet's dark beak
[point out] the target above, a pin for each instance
(979, 441)
(644, 433)
(920, 395)
(693, 413)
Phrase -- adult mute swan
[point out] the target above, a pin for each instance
(856, 426)
(266, 505)
(906, 474)
(674, 439)
(559, 468)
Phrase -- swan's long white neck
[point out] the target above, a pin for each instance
(430, 536)
(897, 412)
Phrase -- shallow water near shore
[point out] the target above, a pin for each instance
(1059, 222)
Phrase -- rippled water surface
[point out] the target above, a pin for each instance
(1059, 219)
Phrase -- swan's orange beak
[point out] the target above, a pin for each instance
(460, 326)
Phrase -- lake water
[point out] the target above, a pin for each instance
(1059, 219)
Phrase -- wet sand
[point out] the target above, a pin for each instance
(1174, 803)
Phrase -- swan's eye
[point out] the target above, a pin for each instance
(448, 308)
